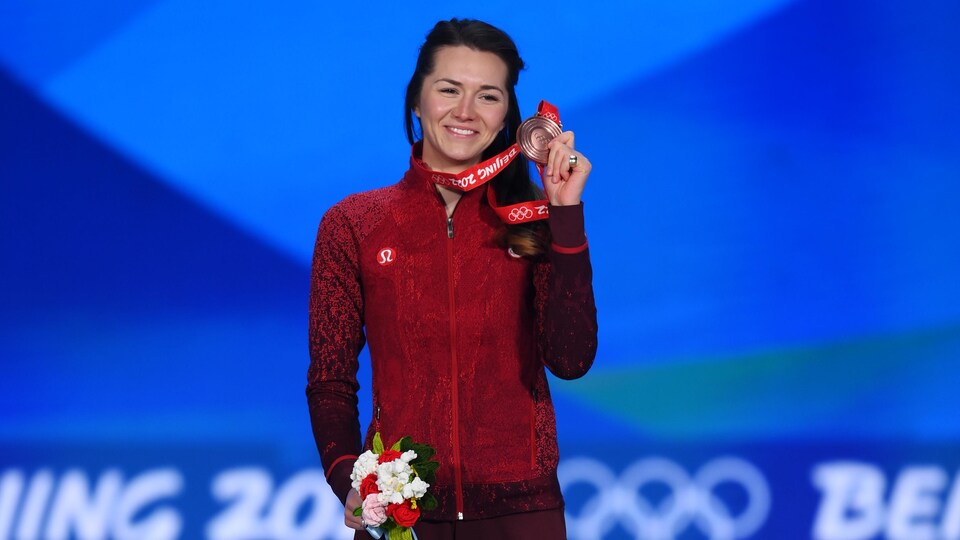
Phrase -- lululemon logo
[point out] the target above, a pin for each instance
(386, 256)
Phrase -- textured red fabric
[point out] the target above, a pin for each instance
(459, 333)
(548, 524)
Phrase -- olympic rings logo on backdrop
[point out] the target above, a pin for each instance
(520, 213)
(691, 501)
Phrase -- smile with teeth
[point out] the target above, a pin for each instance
(461, 131)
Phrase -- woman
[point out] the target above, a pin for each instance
(461, 312)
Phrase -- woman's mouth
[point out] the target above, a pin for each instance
(460, 131)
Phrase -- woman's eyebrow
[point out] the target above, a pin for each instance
(460, 84)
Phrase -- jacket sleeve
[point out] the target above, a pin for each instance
(566, 312)
(336, 338)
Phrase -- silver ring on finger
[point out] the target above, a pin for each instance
(572, 161)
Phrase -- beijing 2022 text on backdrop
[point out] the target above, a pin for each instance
(774, 221)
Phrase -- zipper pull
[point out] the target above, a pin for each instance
(450, 227)
(460, 516)
(378, 413)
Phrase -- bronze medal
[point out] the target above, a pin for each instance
(534, 134)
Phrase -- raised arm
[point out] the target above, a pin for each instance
(566, 312)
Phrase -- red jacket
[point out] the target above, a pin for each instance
(459, 333)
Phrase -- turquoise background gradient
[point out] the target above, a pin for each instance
(774, 220)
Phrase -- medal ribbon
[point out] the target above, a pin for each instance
(481, 173)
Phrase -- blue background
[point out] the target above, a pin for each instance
(773, 219)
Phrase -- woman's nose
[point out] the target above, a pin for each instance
(464, 109)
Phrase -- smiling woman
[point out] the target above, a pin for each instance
(463, 312)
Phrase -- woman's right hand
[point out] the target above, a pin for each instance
(352, 502)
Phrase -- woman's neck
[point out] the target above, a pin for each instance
(450, 198)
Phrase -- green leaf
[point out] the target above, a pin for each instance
(357, 511)
(377, 444)
(429, 465)
(427, 471)
(428, 502)
(396, 446)
(424, 452)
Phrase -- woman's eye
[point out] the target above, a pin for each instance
(490, 97)
(448, 90)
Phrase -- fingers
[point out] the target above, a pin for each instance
(354, 522)
(558, 160)
(350, 520)
(564, 180)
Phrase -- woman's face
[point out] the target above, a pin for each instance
(463, 104)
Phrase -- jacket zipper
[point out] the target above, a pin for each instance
(376, 412)
(454, 374)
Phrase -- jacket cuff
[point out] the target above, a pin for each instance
(566, 226)
(339, 478)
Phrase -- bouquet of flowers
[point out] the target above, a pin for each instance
(393, 486)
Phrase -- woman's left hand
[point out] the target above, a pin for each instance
(563, 183)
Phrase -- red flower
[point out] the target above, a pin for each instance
(403, 514)
(388, 456)
(368, 485)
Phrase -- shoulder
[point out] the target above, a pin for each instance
(359, 205)
(359, 213)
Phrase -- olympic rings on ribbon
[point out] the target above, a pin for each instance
(520, 213)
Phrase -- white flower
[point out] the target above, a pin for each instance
(365, 464)
(417, 488)
(391, 479)
(408, 456)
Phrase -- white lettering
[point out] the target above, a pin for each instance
(915, 503)
(164, 522)
(950, 527)
(10, 489)
(852, 505)
(75, 509)
(248, 492)
(37, 496)
(251, 514)
(305, 487)
(500, 162)
(79, 506)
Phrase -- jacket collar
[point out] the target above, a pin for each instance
(419, 178)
